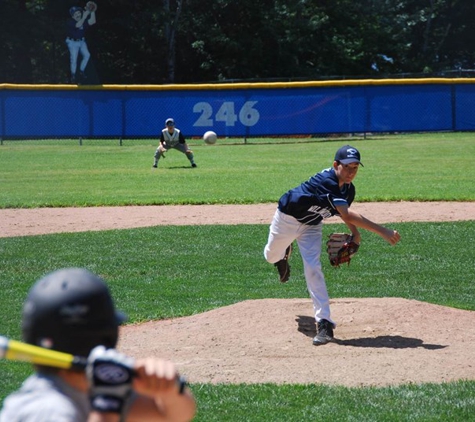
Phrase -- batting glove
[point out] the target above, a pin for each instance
(110, 376)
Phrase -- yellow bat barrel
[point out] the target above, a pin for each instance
(18, 351)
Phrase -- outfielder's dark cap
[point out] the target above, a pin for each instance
(169, 120)
(347, 155)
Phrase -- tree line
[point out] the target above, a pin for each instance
(190, 41)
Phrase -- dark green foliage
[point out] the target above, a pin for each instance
(143, 42)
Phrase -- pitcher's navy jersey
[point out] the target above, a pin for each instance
(317, 198)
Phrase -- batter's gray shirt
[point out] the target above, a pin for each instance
(45, 398)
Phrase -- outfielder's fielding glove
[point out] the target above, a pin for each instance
(341, 248)
(91, 6)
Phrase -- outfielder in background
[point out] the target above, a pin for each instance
(77, 26)
(171, 137)
(71, 310)
(299, 216)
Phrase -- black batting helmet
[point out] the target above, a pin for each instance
(71, 310)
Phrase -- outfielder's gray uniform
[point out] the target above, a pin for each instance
(174, 140)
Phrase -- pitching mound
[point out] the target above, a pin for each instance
(378, 342)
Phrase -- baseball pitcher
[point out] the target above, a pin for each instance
(299, 217)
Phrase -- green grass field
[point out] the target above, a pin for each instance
(419, 167)
(430, 264)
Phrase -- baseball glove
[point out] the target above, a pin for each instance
(341, 248)
(91, 6)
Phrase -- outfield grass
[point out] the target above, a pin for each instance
(420, 167)
(163, 272)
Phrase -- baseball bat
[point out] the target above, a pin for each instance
(18, 351)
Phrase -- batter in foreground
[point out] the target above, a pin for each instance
(299, 217)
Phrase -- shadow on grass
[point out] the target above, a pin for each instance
(173, 168)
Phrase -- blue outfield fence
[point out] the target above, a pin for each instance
(238, 110)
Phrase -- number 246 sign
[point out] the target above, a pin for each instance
(248, 115)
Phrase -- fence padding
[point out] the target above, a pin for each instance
(238, 110)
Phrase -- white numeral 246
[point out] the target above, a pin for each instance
(248, 115)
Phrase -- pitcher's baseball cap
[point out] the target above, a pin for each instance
(169, 121)
(347, 155)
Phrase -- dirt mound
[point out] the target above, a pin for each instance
(378, 342)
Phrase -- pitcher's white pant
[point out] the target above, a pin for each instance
(283, 230)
